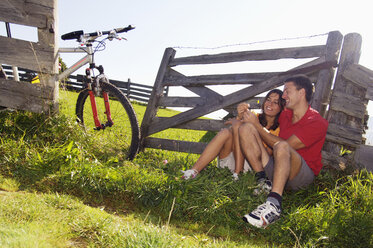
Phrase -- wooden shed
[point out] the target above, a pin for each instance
(40, 56)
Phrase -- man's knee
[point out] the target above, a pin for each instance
(281, 148)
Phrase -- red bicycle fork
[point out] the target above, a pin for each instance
(98, 124)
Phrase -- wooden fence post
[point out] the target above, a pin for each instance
(128, 88)
(347, 106)
(157, 92)
(321, 96)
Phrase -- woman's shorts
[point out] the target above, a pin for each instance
(228, 162)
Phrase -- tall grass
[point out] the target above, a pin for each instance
(52, 154)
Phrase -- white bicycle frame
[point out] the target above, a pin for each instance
(88, 59)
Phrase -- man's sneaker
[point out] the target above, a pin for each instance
(264, 187)
(189, 174)
(263, 215)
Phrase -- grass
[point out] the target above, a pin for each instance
(51, 170)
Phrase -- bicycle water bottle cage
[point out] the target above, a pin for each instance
(72, 35)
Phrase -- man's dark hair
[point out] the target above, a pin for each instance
(302, 82)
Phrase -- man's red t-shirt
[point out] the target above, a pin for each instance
(311, 130)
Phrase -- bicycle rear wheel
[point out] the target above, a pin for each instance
(123, 137)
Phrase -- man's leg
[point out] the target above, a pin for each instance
(287, 165)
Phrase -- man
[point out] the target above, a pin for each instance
(296, 156)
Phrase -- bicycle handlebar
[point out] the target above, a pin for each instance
(78, 34)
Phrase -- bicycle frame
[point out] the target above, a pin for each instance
(88, 59)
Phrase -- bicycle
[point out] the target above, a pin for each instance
(114, 120)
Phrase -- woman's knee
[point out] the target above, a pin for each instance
(225, 133)
(246, 129)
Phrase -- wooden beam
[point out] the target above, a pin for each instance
(198, 124)
(359, 75)
(36, 98)
(30, 13)
(175, 145)
(269, 54)
(157, 92)
(348, 104)
(321, 95)
(236, 97)
(243, 78)
(30, 55)
(178, 101)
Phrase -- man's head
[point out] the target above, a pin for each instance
(297, 88)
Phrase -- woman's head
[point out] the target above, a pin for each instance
(272, 106)
(273, 103)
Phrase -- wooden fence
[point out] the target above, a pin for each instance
(133, 91)
(39, 56)
(321, 69)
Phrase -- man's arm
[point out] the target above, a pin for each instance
(269, 138)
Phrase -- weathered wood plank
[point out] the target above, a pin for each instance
(353, 134)
(369, 94)
(175, 145)
(342, 141)
(178, 101)
(198, 124)
(364, 157)
(233, 98)
(222, 79)
(30, 13)
(333, 160)
(269, 54)
(325, 77)
(30, 55)
(157, 92)
(205, 92)
(359, 75)
(36, 98)
(348, 104)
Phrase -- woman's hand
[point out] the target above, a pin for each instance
(236, 123)
(242, 108)
(250, 117)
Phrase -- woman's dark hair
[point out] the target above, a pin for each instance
(281, 103)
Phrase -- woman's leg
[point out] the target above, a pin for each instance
(237, 152)
(220, 145)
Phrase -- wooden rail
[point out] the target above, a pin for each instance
(133, 91)
(40, 56)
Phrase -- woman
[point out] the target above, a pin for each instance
(226, 144)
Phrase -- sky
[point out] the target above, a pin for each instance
(201, 23)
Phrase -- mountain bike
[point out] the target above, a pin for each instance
(109, 115)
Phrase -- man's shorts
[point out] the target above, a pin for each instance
(304, 177)
(229, 162)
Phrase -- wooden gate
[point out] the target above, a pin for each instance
(344, 106)
(320, 69)
(38, 56)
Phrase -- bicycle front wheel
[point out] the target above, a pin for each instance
(122, 138)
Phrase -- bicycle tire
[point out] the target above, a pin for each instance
(115, 137)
